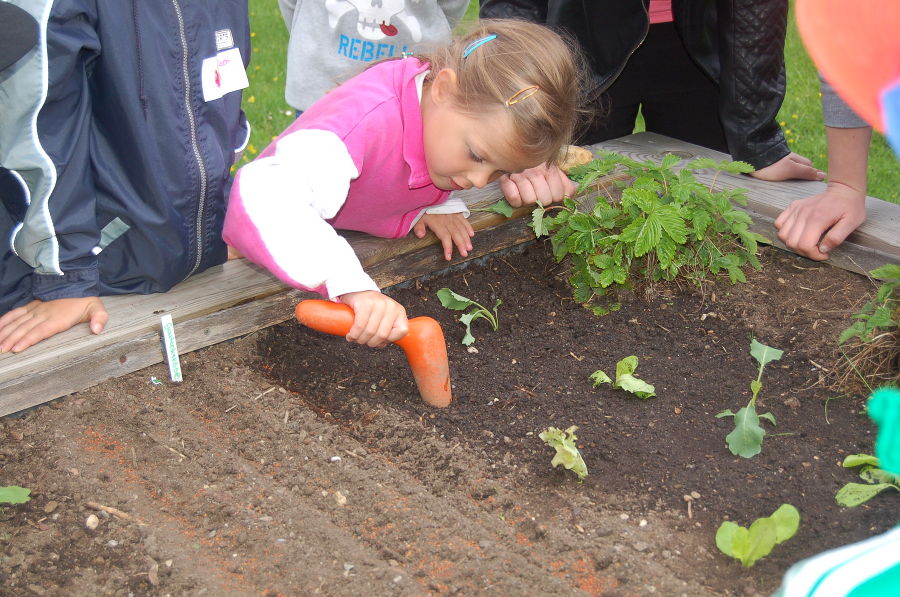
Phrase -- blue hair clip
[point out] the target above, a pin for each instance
(477, 43)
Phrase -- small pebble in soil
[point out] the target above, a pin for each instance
(92, 522)
(335, 459)
(472, 350)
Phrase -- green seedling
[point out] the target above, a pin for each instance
(13, 494)
(567, 453)
(749, 545)
(664, 225)
(876, 481)
(457, 302)
(747, 438)
(625, 379)
(881, 314)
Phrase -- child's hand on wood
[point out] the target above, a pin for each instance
(451, 229)
(377, 320)
(38, 320)
(547, 184)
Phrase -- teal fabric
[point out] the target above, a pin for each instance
(886, 584)
(884, 409)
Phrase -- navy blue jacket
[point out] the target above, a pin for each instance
(116, 170)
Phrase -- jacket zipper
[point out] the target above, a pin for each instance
(195, 144)
(609, 81)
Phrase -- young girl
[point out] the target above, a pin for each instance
(382, 153)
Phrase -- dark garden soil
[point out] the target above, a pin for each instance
(290, 462)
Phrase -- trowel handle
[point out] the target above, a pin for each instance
(325, 316)
(424, 345)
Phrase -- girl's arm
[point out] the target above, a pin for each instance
(278, 209)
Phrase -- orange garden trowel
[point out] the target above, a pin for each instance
(424, 345)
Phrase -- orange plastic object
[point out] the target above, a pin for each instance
(424, 345)
(856, 46)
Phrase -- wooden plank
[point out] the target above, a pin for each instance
(874, 244)
(238, 298)
(107, 360)
(223, 302)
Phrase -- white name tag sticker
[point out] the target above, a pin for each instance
(223, 73)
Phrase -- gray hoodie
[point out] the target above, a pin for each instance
(332, 40)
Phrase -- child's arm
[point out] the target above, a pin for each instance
(277, 216)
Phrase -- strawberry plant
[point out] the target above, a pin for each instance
(876, 481)
(747, 438)
(749, 545)
(625, 379)
(567, 453)
(457, 302)
(667, 225)
(881, 314)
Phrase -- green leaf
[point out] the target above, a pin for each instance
(13, 494)
(501, 207)
(854, 460)
(749, 545)
(669, 161)
(764, 354)
(451, 300)
(746, 439)
(671, 221)
(725, 413)
(701, 164)
(567, 453)
(537, 221)
(768, 417)
(787, 521)
(625, 380)
(636, 386)
(626, 366)
(891, 271)
(599, 377)
(755, 386)
(466, 319)
(854, 494)
(735, 167)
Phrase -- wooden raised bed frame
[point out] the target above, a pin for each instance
(238, 298)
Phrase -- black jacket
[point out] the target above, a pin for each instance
(737, 43)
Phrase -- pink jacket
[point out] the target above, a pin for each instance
(356, 161)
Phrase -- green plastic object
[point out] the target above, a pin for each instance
(884, 409)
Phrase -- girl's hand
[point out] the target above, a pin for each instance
(378, 319)
(547, 184)
(451, 229)
(38, 320)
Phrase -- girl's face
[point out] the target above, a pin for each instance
(464, 150)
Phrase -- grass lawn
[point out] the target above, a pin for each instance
(800, 116)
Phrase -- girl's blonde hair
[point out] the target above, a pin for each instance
(528, 70)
